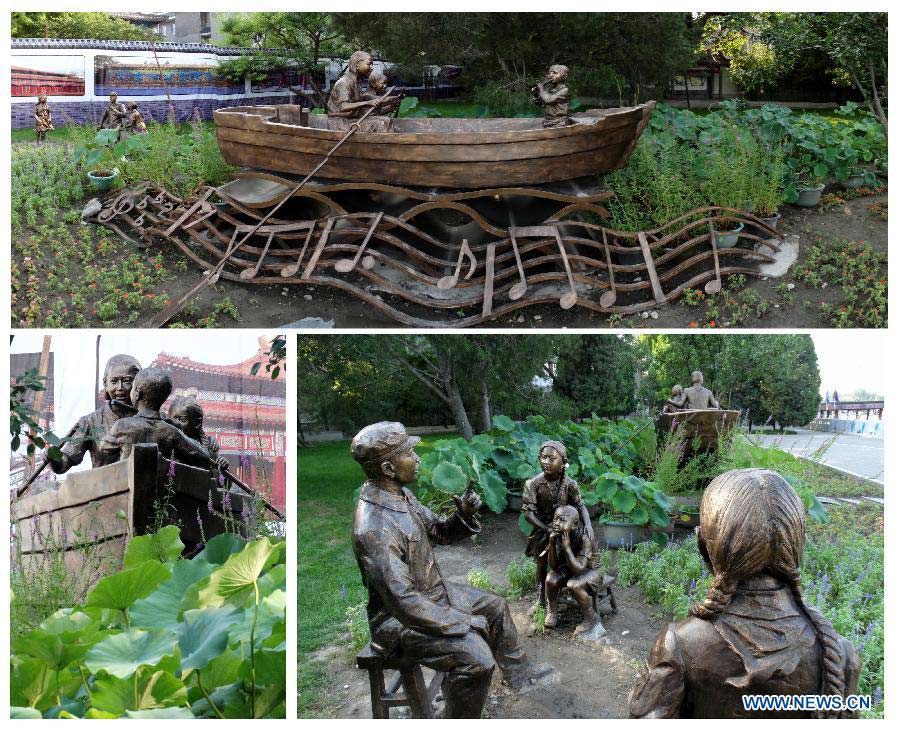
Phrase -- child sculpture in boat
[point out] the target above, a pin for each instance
(346, 103)
(553, 96)
(150, 389)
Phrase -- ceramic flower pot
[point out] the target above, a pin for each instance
(808, 197)
(854, 182)
(102, 183)
(729, 238)
(513, 501)
(622, 534)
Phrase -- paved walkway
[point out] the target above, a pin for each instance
(853, 454)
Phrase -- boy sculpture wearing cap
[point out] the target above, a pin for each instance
(412, 611)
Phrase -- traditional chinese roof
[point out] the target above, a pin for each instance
(247, 413)
(241, 369)
(124, 45)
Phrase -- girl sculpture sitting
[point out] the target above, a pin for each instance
(754, 634)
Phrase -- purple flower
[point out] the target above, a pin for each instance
(226, 502)
(692, 587)
(877, 696)
(171, 472)
(245, 461)
(209, 504)
(221, 480)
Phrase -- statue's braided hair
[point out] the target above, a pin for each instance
(752, 522)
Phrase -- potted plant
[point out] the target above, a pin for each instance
(104, 153)
(807, 174)
(688, 516)
(633, 505)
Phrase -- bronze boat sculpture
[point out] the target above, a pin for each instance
(442, 152)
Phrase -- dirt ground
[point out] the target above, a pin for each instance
(595, 679)
(279, 306)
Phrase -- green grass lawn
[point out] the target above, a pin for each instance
(328, 580)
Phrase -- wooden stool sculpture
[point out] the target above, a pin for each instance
(415, 694)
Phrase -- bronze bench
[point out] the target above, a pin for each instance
(415, 694)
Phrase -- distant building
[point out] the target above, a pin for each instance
(179, 27)
(245, 414)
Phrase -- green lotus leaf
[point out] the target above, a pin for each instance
(624, 501)
(97, 714)
(223, 670)
(271, 611)
(150, 689)
(494, 489)
(274, 579)
(503, 423)
(119, 591)
(57, 651)
(270, 668)
(449, 477)
(639, 516)
(31, 684)
(659, 516)
(233, 581)
(168, 713)
(163, 546)
(121, 655)
(65, 621)
(204, 635)
(24, 712)
(524, 525)
(221, 547)
(160, 609)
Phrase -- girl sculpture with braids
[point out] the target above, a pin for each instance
(754, 634)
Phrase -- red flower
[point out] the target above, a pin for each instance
(693, 325)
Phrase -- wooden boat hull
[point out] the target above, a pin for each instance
(86, 512)
(703, 426)
(450, 153)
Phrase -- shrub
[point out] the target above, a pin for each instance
(358, 622)
(522, 576)
(478, 577)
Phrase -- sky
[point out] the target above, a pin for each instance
(851, 360)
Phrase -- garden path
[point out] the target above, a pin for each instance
(856, 455)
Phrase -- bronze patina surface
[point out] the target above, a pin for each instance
(754, 633)
(43, 118)
(572, 564)
(150, 389)
(347, 102)
(553, 96)
(114, 116)
(89, 431)
(413, 612)
(541, 497)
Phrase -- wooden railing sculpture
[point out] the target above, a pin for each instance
(385, 245)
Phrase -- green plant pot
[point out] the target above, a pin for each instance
(854, 182)
(102, 183)
(772, 222)
(808, 197)
(623, 534)
(729, 238)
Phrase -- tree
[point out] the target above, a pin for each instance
(764, 375)
(99, 26)
(597, 375)
(513, 50)
(283, 40)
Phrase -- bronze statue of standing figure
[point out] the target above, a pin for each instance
(754, 634)
(346, 102)
(413, 612)
(553, 96)
(43, 118)
(541, 497)
(114, 115)
(89, 431)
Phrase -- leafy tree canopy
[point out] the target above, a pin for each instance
(97, 26)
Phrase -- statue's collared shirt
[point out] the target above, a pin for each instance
(392, 535)
(89, 432)
(345, 91)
